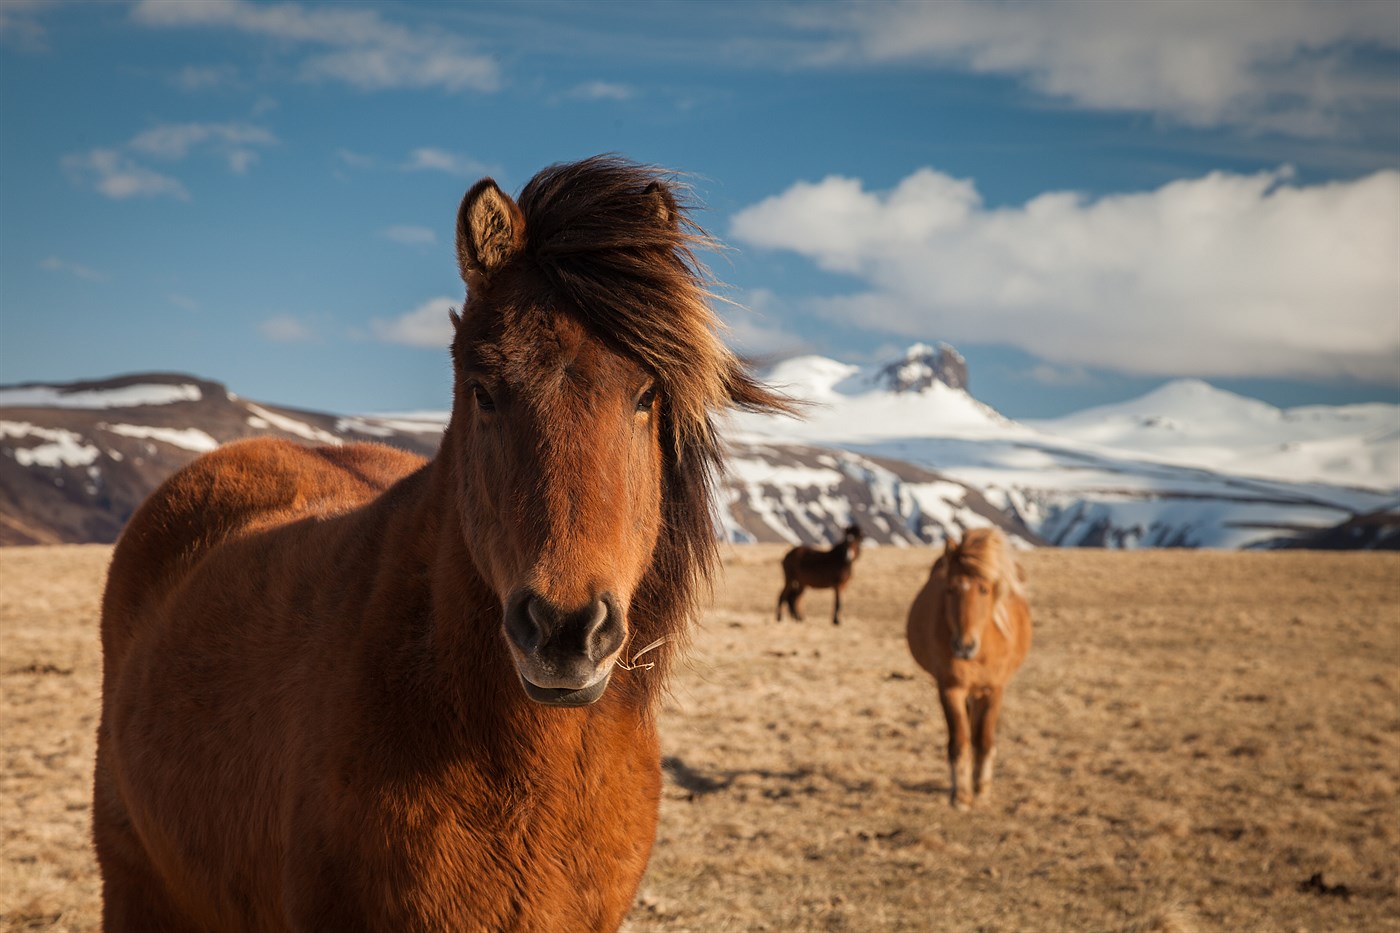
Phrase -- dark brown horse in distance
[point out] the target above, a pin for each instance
(970, 627)
(348, 689)
(820, 569)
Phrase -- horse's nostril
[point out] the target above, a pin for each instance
(604, 633)
(536, 626)
(524, 625)
(965, 650)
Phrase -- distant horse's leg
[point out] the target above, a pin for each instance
(782, 598)
(984, 739)
(959, 753)
(836, 612)
(795, 600)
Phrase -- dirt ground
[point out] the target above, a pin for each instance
(1199, 740)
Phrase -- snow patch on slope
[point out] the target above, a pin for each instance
(123, 397)
(188, 438)
(62, 448)
(262, 418)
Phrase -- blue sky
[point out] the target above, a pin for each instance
(1086, 199)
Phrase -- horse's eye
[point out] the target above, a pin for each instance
(648, 398)
(484, 401)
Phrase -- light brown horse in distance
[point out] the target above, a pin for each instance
(349, 689)
(970, 627)
(820, 569)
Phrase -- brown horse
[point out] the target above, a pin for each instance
(348, 689)
(970, 627)
(820, 569)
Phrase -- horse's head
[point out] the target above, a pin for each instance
(852, 538)
(975, 584)
(585, 368)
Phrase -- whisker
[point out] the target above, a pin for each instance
(632, 665)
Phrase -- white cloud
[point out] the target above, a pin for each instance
(285, 329)
(410, 235)
(1224, 275)
(20, 26)
(602, 90)
(176, 140)
(1048, 375)
(356, 159)
(116, 174)
(427, 325)
(441, 160)
(54, 264)
(240, 159)
(118, 177)
(1285, 65)
(202, 77)
(362, 49)
(183, 301)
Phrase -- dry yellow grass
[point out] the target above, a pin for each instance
(1194, 735)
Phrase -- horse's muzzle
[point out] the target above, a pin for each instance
(563, 656)
(966, 651)
(562, 696)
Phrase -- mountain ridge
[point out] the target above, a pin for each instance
(895, 447)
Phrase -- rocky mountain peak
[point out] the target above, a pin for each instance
(922, 366)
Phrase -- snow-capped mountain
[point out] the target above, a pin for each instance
(901, 447)
(803, 494)
(1187, 465)
(77, 459)
(1192, 422)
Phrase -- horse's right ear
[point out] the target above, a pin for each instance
(490, 230)
(950, 544)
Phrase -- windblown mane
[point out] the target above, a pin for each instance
(615, 240)
(986, 553)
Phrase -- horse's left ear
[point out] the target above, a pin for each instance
(490, 230)
(663, 203)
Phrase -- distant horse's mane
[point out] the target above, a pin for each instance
(614, 241)
(985, 553)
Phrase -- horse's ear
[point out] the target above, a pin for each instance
(950, 544)
(663, 203)
(490, 230)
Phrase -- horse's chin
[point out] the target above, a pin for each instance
(567, 696)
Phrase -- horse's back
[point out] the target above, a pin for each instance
(817, 567)
(240, 487)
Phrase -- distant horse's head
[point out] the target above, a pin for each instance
(587, 370)
(980, 572)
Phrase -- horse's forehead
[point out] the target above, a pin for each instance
(964, 582)
(534, 347)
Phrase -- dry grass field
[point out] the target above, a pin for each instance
(1195, 736)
